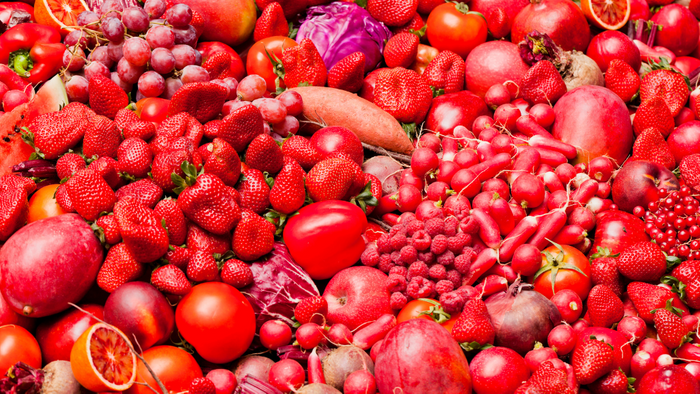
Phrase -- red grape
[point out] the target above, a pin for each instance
(193, 73)
(185, 56)
(151, 84)
(155, 8)
(135, 19)
(77, 89)
(179, 15)
(128, 72)
(74, 59)
(101, 54)
(162, 60)
(137, 51)
(160, 36)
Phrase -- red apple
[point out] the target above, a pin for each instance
(638, 183)
(57, 334)
(616, 230)
(685, 140)
(8, 316)
(228, 21)
(357, 295)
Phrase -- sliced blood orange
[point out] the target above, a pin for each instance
(607, 14)
(61, 14)
(102, 360)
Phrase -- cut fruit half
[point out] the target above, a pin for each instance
(607, 14)
(61, 14)
(102, 360)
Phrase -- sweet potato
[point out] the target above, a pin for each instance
(334, 107)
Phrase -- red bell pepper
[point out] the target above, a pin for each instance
(33, 51)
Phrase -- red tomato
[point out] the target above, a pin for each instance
(174, 367)
(326, 237)
(429, 310)
(211, 47)
(43, 205)
(451, 26)
(570, 268)
(217, 320)
(17, 344)
(152, 109)
(258, 62)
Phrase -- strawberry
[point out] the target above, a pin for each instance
(666, 83)
(358, 183)
(255, 192)
(330, 179)
(107, 229)
(54, 133)
(236, 273)
(69, 164)
(401, 50)
(622, 80)
(670, 328)
(291, 7)
(288, 194)
(473, 328)
(14, 209)
(647, 297)
(446, 72)
(349, 73)
(604, 307)
(311, 310)
(303, 64)
(102, 138)
(119, 267)
(63, 199)
(688, 273)
(202, 386)
(216, 64)
(18, 182)
(403, 94)
(202, 100)
(125, 116)
(90, 194)
(144, 191)
(643, 261)
(616, 382)
(174, 126)
(498, 22)
(178, 256)
(416, 24)
(653, 112)
(139, 129)
(223, 161)
(167, 163)
(134, 157)
(199, 239)
(392, 12)
(264, 154)
(106, 97)
(651, 146)
(591, 359)
(604, 271)
(142, 230)
(542, 84)
(369, 198)
(202, 267)
(171, 280)
(547, 379)
(205, 202)
(106, 167)
(175, 221)
(271, 23)
(300, 149)
(254, 236)
(240, 127)
(690, 171)
(211, 128)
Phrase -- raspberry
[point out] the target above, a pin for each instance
(467, 292)
(469, 225)
(420, 287)
(427, 258)
(418, 268)
(439, 245)
(437, 272)
(413, 226)
(455, 244)
(462, 263)
(370, 257)
(435, 226)
(395, 283)
(452, 302)
(398, 229)
(421, 240)
(469, 251)
(446, 258)
(409, 254)
(395, 257)
(455, 277)
(398, 270)
(384, 244)
(397, 301)
(444, 286)
(398, 241)
(385, 263)
(451, 226)
(407, 217)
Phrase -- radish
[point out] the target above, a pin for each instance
(483, 200)
(581, 168)
(480, 123)
(490, 168)
(360, 382)
(457, 206)
(597, 205)
(584, 246)
(503, 270)
(374, 351)
(688, 352)
(528, 191)
(527, 160)
(570, 235)
(527, 125)
(430, 141)
(580, 325)
(438, 191)
(446, 170)
(549, 226)
(463, 133)
(367, 336)
(566, 172)
(543, 208)
(484, 261)
(485, 151)
(538, 355)
(641, 363)
(585, 192)
(543, 115)
(497, 186)
(339, 334)
(408, 197)
(488, 228)
(654, 347)
(450, 147)
(424, 160)
(408, 177)
(551, 181)
(503, 143)
(691, 321)
(466, 158)
(527, 260)
(520, 234)
(550, 157)
(429, 209)
(569, 304)
(287, 375)
(498, 370)
(274, 334)
(522, 105)
(543, 169)
(633, 328)
(309, 335)
(465, 182)
(506, 116)
(518, 212)
(314, 364)
(604, 190)
(583, 217)
(492, 284)
(497, 95)
(500, 211)
(562, 338)
(601, 169)
(488, 134)
(550, 143)
(663, 360)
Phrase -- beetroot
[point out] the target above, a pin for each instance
(594, 120)
(563, 20)
(419, 356)
(491, 63)
(49, 263)
(680, 29)
(610, 45)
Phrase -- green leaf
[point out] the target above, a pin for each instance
(361, 3)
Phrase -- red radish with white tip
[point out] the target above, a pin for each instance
(339, 334)
(543, 115)
(430, 141)
(287, 375)
(408, 177)
(497, 95)
(538, 355)
(423, 161)
(465, 182)
(466, 158)
(309, 335)
(506, 116)
(633, 328)
(528, 191)
(498, 186)
(563, 339)
(360, 382)
(502, 214)
(569, 304)
(408, 198)
(480, 123)
(491, 167)
(485, 151)
(503, 143)
(641, 363)
(527, 125)
(583, 217)
(570, 235)
(446, 170)
(527, 161)
(520, 234)
(275, 334)
(601, 168)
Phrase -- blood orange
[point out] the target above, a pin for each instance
(102, 360)
(607, 14)
(61, 14)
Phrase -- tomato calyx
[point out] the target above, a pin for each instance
(556, 263)
(435, 311)
(278, 69)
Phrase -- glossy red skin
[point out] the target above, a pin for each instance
(596, 121)
(57, 334)
(639, 9)
(419, 356)
(561, 19)
(451, 110)
(18, 344)
(623, 350)
(209, 48)
(670, 379)
(8, 316)
(617, 230)
(367, 90)
(498, 370)
(357, 295)
(685, 140)
(332, 139)
(493, 62)
(49, 263)
(612, 44)
(140, 311)
(326, 237)
(680, 29)
(174, 367)
(686, 115)
(221, 26)
(152, 109)
(511, 7)
(638, 183)
(687, 64)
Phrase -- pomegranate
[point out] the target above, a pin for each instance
(491, 63)
(563, 20)
(510, 7)
(680, 29)
(685, 140)
(594, 120)
(610, 45)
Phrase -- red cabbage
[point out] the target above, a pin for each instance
(339, 29)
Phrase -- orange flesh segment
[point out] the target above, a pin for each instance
(608, 11)
(111, 356)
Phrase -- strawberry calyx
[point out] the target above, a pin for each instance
(435, 311)
(669, 307)
(278, 219)
(191, 175)
(365, 198)
(602, 252)
(556, 263)
(470, 346)
(222, 258)
(677, 286)
(663, 64)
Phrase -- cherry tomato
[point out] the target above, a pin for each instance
(174, 367)
(427, 309)
(451, 26)
(43, 205)
(152, 109)
(569, 268)
(17, 344)
(258, 62)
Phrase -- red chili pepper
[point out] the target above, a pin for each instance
(33, 51)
